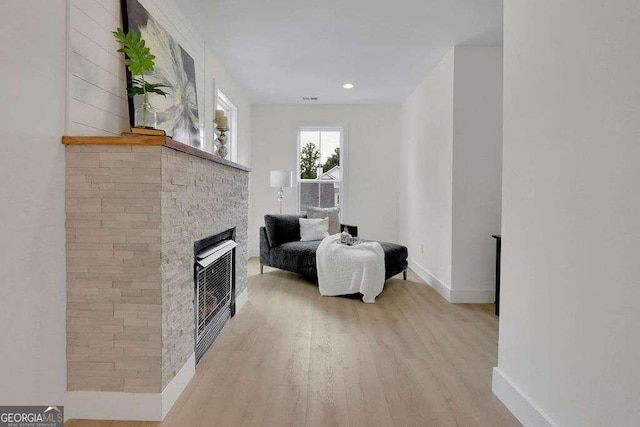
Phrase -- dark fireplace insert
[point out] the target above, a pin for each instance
(214, 287)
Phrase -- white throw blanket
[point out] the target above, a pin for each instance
(346, 269)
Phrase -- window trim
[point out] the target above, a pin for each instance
(226, 103)
(343, 165)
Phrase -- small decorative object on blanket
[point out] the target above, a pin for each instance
(345, 237)
(344, 270)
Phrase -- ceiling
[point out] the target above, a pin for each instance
(280, 51)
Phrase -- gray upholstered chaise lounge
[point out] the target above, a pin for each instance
(280, 247)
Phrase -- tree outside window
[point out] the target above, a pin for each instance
(309, 157)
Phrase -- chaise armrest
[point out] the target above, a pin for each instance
(264, 247)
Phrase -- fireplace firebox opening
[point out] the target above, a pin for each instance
(214, 287)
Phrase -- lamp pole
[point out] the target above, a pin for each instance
(280, 198)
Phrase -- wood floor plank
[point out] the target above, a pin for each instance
(291, 357)
(287, 406)
(366, 402)
(326, 394)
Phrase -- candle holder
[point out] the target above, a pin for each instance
(216, 132)
(221, 142)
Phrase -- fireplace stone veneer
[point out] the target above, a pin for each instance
(199, 198)
(133, 214)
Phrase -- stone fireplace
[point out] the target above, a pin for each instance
(135, 206)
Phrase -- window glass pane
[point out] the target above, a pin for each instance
(309, 154)
(319, 195)
(329, 141)
(330, 155)
(310, 136)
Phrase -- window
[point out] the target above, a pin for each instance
(223, 103)
(320, 168)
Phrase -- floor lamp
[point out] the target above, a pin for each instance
(281, 179)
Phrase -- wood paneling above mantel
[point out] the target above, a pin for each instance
(148, 140)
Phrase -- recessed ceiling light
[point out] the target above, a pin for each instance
(348, 85)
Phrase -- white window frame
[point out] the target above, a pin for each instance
(343, 165)
(232, 113)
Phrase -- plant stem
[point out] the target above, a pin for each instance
(145, 101)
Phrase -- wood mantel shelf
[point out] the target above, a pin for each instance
(115, 140)
(149, 140)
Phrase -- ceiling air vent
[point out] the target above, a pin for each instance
(309, 98)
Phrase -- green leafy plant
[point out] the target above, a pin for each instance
(332, 160)
(309, 156)
(138, 59)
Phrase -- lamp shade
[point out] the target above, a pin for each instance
(281, 178)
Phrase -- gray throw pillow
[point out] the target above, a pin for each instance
(332, 213)
(282, 228)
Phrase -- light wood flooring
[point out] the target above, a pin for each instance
(291, 357)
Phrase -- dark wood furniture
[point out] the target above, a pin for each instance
(498, 250)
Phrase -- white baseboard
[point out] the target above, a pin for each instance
(520, 405)
(176, 386)
(453, 295)
(430, 279)
(122, 406)
(241, 299)
(113, 405)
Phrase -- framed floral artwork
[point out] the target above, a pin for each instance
(174, 67)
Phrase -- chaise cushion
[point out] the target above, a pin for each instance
(296, 256)
(282, 228)
(393, 253)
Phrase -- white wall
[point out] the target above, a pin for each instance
(371, 156)
(477, 171)
(569, 339)
(32, 263)
(426, 171)
(451, 173)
